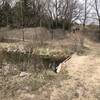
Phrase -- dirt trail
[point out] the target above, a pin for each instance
(82, 83)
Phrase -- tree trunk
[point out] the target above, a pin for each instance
(40, 22)
(23, 36)
(99, 24)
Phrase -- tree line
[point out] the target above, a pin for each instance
(47, 13)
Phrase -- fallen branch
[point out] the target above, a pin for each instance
(59, 67)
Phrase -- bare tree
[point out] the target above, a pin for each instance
(22, 20)
(87, 11)
(97, 9)
(64, 10)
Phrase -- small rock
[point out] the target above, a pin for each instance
(26, 96)
(23, 74)
(6, 69)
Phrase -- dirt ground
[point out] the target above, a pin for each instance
(80, 80)
(83, 82)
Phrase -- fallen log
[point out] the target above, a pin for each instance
(59, 67)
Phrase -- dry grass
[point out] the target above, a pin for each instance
(78, 80)
(29, 34)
